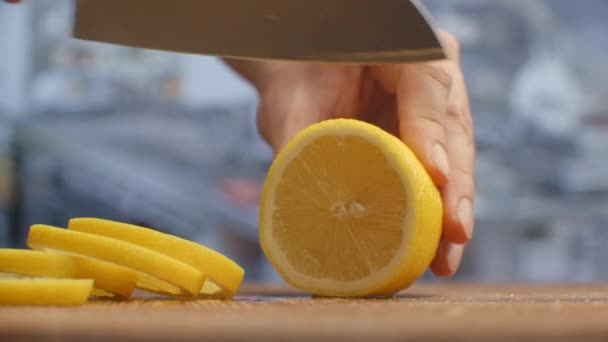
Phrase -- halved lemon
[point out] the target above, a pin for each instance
(115, 279)
(44, 291)
(218, 268)
(348, 210)
(158, 270)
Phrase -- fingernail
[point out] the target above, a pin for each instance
(465, 216)
(440, 158)
(454, 255)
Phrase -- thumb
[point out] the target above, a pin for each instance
(280, 118)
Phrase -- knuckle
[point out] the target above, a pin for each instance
(455, 111)
(428, 120)
(451, 44)
(466, 176)
(465, 180)
(461, 117)
(433, 121)
(438, 73)
(466, 124)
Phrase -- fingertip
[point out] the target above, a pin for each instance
(459, 222)
(441, 164)
(464, 212)
(448, 258)
(440, 266)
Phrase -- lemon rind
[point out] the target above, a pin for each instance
(44, 291)
(157, 265)
(219, 269)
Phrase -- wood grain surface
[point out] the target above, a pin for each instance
(454, 312)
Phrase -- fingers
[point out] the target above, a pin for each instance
(448, 259)
(422, 91)
(422, 102)
(435, 122)
(458, 192)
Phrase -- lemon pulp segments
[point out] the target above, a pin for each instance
(44, 291)
(362, 220)
(348, 210)
(217, 267)
(109, 277)
(155, 264)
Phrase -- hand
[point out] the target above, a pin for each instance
(426, 104)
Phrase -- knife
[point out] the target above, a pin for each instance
(338, 31)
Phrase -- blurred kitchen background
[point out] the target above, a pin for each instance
(168, 140)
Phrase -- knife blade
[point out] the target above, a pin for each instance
(338, 31)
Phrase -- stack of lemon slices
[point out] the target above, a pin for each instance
(106, 258)
(348, 210)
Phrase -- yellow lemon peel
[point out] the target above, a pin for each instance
(44, 291)
(162, 267)
(218, 268)
(109, 277)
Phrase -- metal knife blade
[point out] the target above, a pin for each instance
(341, 31)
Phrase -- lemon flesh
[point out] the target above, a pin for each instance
(348, 210)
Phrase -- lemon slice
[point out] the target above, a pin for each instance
(44, 291)
(348, 210)
(112, 278)
(186, 278)
(218, 268)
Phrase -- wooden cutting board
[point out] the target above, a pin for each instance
(424, 312)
